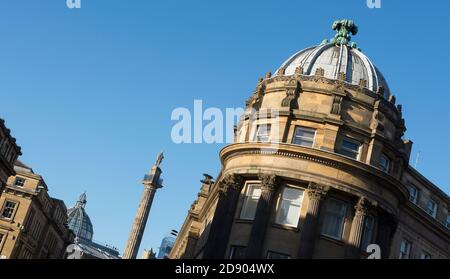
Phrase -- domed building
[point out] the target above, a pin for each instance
(84, 246)
(320, 169)
(79, 221)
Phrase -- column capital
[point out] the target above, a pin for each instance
(362, 206)
(269, 182)
(317, 191)
(231, 182)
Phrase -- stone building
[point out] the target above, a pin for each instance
(320, 169)
(84, 246)
(33, 225)
(9, 152)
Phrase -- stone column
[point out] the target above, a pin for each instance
(229, 192)
(269, 184)
(140, 221)
(356, 231)
(315, 194)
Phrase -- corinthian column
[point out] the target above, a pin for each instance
(269, 184)
(229, 190)
(315, 194)
(357, 228)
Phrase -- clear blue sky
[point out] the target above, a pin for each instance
(88, 93)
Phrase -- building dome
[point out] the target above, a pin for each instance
(338, 60)
(79, 221)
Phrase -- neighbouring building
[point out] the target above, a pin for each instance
(9, 152)
(320, 169)
(33, 225)
(84, 247)
(166, 247)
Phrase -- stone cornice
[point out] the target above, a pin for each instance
(421, 216)
(319, 156)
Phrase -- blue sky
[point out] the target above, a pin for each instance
(88, 93)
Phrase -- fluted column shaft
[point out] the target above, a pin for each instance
(315, 194)
(269, 185)
(229, 192)
(357, 228)
(140, 221)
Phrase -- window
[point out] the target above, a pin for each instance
(36, 229)
(277, 256)
(413, 194)
(251, 201)
(432, 208)
(263, 133)
(405, 249)
(448, 221)
(304, 136)
(350, 148)
(334, 219)
(237, 252)
(2, 236)
(8, 209)
(368, 230)
(425, 256)
(26, 254)
(289, 208)
(19, 182)
(385, 163)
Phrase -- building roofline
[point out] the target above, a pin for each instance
(426, 181)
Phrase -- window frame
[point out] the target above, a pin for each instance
(416, 198)
(387, 168)
(19, 179)
(313, 139)
(269, 132)
(345, 149)
(342, 226)
(402, 255)
(372, 232)
(280, 202)
(246, 199)
(435, 209)
(13, 213)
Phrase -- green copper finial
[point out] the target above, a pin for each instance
(344, 28)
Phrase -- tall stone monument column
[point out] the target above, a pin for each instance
(152, 182)
(269, 185)
(315, 194)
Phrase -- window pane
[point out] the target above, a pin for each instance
(8, 210)
(349, 148)
(384, 163)
(367, 232)
(432, 208)
(251, 202)
(263, 133)
(304, 136)
(334, 219)
(289, 208)
(413, 194)
(350, 145)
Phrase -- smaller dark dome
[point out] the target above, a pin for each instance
(79, 221)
